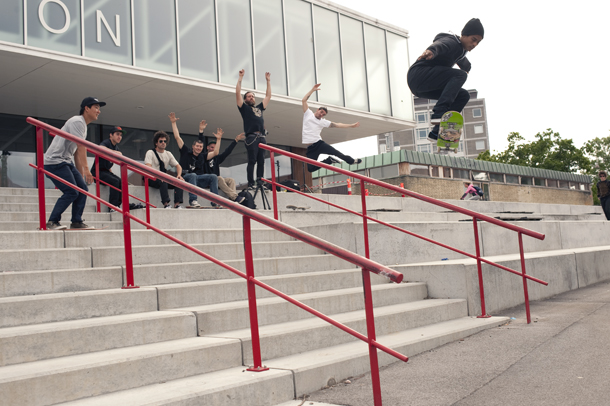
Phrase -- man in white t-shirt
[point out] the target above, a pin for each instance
(313, 123)
(161, 159)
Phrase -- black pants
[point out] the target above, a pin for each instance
(256, 156)
(320, 147)
(115, 197)
(440, 83)
(605, 202)
(162, 186)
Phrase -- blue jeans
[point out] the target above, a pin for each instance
(203, 181)
(68, 172)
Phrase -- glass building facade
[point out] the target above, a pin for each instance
(362, 64)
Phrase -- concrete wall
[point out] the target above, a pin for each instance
(440, 188)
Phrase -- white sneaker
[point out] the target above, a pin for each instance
(194, 203)
(178, 207)
(167, 206)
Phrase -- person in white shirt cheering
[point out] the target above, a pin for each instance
(313, 123)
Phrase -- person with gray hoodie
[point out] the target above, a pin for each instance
(432, 76)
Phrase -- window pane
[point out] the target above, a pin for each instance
(398, 57)
(422, 117)
(108, 31)
(512, 179)
(59, 28)
(269, 45)
(352, 43)
(155, 41)
(377, 70)
(476, 113)
(526, 180)
(478, 129)
(421, 170)
(235, 36)
(497, 177)
(328, 56)
(539, 182)
(461, 174)
(480, 145)
(299, 35)
(11, 21)
(197, 33)
(422, 133)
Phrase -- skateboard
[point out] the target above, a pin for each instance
(450, 131)
(290, 206)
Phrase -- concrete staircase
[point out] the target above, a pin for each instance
(70, 335)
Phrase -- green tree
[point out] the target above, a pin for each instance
(598, 150)
(547, 151)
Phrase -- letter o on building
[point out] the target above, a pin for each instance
(44, 23)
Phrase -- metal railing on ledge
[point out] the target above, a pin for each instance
(476, 217)
(126, 164)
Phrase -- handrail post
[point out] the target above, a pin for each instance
(371, 336)
(41, 192)
(256, 345)
(97, 181)
(147, 201)
(127, 230)
(364, 222)
(273, 188)
(525, 292)
(480, 271)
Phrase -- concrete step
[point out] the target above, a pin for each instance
(79, 376)
(310, 370)
(25, 283)
(229, 290)
(27, 310)
(33, 199)
(217, 318)
(33, 216)
(33, 207)
(18, 191)
(296, 337)
(173, 253)
(42, 259)
(159, 274)
(35, 225)
(52, 340)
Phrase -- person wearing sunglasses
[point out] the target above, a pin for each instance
(603, 193)
(161, 159)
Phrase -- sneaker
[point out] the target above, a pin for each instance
(357, 161)
(330, 160)
(111, 210)
(178, 207)
(195, 203)
(239, 199)
(435, 119)
(432, 136)
(167, 206)
(81, 226)
(54, 225)
(251, 186)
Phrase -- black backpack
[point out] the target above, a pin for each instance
(479, 191)
(248, 199)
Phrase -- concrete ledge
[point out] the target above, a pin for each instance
(564, 270)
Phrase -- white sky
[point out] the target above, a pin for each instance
(542, 64)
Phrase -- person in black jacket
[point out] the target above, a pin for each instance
(115, 137)
(213, 161)
(603, 193)
(432, 76)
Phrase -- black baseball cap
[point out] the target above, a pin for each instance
(117, 130)
(90, 101)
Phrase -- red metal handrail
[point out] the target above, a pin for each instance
(475, 218)
(366, 264)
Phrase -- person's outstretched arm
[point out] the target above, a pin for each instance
(308, 95)
(238, 97)
(268, 93)
(218, 135)
(341, 125)
(173, 119)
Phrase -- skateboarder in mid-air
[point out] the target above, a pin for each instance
(432, 76)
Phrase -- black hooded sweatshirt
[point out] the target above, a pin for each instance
(448, 50)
